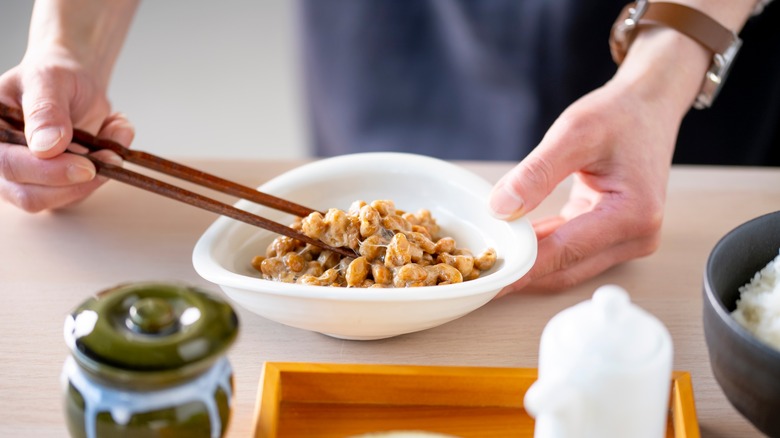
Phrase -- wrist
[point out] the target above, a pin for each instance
(666, 67)
(89, 33)
(708, 24)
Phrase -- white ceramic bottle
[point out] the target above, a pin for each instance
(604, 371)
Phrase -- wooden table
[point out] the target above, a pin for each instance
(49, 263)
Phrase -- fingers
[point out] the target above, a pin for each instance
(592, 266)
(54, 99)
(564, 150)
(47, 116)
(18, 165)
(558, 281)
(35, 184)
(118, 128)
(34, 198)
(545, 227)
(520, 190)
(575, 250)
(614, 148)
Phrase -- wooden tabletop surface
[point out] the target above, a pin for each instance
(51, 262)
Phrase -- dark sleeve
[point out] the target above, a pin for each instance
(741, 128)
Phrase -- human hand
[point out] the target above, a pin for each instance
(55, 96)
(618, 149)
(61, 84)
(616, 143)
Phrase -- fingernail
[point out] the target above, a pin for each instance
(44, 139)
(505, 203)
(78, 173)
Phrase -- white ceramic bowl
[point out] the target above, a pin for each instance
(456, 198)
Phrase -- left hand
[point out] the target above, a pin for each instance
(617, 142)
(618, 147)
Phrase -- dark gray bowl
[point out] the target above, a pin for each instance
(747, 370)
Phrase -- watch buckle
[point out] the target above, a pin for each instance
(716, 75)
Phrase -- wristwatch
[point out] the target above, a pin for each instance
(722, 42)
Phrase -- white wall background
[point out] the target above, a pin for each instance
(201, 78)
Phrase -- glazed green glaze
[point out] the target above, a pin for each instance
(148, 360)
(152, 315)
(190, 420)
(150, 333)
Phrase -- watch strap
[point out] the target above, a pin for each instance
(689, 21)
(722, 42)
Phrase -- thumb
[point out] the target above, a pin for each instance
(48, 126)
(532, 180)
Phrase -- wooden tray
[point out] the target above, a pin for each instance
(334, 400)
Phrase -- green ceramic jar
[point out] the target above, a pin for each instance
(148, 360)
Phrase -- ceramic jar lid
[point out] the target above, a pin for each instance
(152, 332)
(609, 327)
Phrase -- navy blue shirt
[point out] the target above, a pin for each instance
(484, 80)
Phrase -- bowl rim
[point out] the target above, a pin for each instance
(717, 303)
(208, 268)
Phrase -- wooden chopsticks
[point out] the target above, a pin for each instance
(15, 118)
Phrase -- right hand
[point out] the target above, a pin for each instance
(56, 95)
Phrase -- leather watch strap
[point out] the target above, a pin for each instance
(686, 20)
(722, 42)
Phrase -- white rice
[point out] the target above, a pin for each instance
(758, 308)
